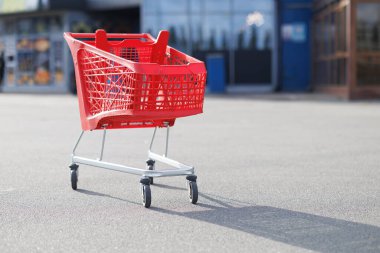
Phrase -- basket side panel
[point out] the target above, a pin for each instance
(135, 54)
(74, 49)
(107, 84)
(181, 94)
(174, 57)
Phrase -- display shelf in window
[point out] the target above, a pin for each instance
(57, 48)
(10, 73)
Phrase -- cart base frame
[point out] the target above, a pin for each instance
(181, 171)
(147, 175)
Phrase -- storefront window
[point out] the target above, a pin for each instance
(253, 43)
(178, 28)
(58, 77)
(330, 46)
(151, 7)
(253, 31)
(368, 26)
(342, 30)
(241, 30)
(150, 24)
(197, 33)
(173, 6)
(196, 6)
(244, 5)
(33, 50)
(9, 27)
(216, 30)
(216, 6)
(368, 43)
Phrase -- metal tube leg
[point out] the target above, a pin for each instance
(103, 141)
(77, 143)
(167, 141)
(73, 166)
(151, 142)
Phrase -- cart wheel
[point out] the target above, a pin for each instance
(150, 163)
(146, 195)
(74, 179)
(193, 192)
(74, 175)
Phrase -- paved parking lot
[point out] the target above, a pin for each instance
(275, 173)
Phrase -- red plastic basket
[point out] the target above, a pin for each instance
(134, 80)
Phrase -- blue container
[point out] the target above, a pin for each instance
(216, 82)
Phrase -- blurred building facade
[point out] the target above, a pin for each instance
(295, 40)
(243, 32)
(34, 57)
(267, 45)
(346, 47)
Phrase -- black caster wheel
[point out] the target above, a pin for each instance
(150, 165)
(193, 188)
(74, 176)
(145, 192)
(146, 196)
(193, 192)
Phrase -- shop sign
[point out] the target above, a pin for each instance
(294, 32)
(12, 6)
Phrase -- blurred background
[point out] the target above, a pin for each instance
(249, 46)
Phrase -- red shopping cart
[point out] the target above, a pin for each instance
(135, 81)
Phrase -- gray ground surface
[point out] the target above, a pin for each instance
(275, 174)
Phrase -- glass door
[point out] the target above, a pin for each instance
(243, 32)
(368, 43)
(253, 36)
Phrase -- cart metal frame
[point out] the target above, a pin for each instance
(147, 175)
(181, 169)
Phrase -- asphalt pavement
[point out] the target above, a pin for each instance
(278, 173)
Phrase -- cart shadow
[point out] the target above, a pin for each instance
(308, 231)
(92, 193)
(169, 187)
(280, 97)
(210, 197)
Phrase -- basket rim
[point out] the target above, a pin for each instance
(125, 62)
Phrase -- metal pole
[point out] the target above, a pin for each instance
(151, 142)
(167, 141)
(232, 47)
(103, 141)
(76, 144)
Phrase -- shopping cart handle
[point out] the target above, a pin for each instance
(101, 40)
(159, 48)
(91, 36)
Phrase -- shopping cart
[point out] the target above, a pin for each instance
(135, 81)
